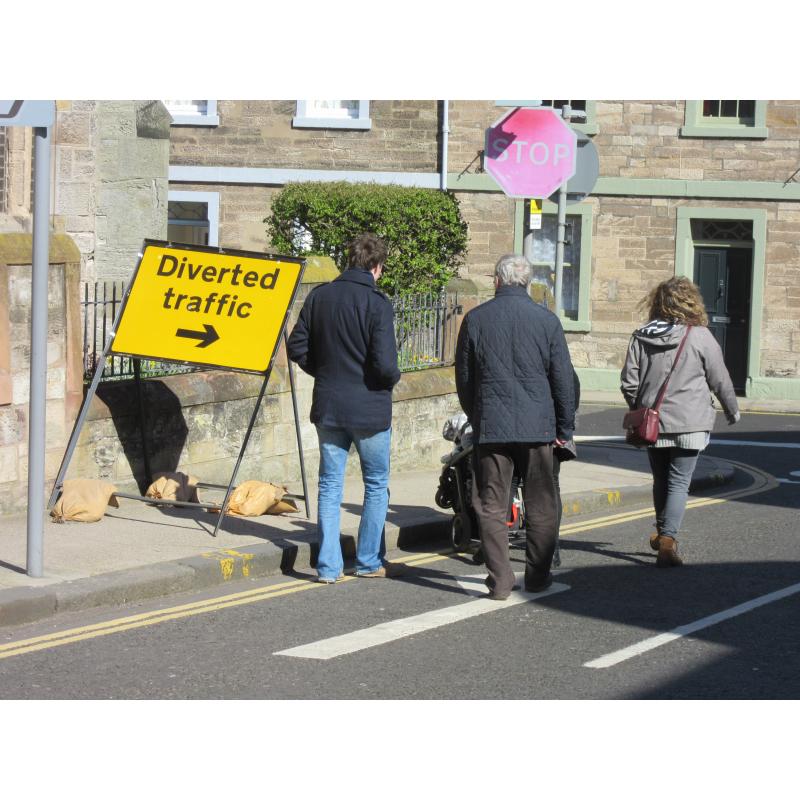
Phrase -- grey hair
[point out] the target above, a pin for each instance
(513, 270)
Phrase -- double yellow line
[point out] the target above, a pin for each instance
(762, 482)
(178, 612)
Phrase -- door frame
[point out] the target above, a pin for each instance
(684, 266)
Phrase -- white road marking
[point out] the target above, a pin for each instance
(409, 626)
(612, 659)
(726, 442)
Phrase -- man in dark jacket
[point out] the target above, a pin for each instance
(344, 338)
(515, 382)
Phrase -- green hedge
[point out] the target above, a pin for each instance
(423, 228)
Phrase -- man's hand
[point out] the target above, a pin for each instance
(560, 442)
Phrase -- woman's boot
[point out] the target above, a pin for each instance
(668, 553)
(655, 538)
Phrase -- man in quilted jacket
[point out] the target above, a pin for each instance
(514, 379)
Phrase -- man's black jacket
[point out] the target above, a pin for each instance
(344, 337)
(513, 371)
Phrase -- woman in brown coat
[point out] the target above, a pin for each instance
(687, 414)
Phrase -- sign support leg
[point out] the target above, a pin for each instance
(137, 377)
(224, 507)
(297, 428)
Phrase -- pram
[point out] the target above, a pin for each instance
(455, 491)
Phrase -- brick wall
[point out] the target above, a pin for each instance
(259, 133)
(640, 139)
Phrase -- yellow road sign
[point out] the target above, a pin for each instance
(196, 305)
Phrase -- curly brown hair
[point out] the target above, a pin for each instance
(676, 300)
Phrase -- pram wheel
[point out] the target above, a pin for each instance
(444, 499)
(461, 532)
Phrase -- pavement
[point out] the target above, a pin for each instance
(140, 551)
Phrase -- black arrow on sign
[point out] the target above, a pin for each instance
(207, 337)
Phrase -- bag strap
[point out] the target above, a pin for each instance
(663, 390)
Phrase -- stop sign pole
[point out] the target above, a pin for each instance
(558, 284)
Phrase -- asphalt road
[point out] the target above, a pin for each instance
(730, 614)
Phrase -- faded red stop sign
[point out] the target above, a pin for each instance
(530, 152)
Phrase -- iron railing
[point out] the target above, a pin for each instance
(425, 329)
(99, 307)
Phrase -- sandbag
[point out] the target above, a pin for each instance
(173, 486)
(84, 500)
(284, 506)
(253, 498)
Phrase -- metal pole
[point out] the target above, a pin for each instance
(297, 425)
(137, 378)
(224, 507)
(37, 416)
(566, 112)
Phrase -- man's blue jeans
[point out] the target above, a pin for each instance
(373, 451)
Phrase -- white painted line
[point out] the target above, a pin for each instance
(409, 626)
(612, 659)
(723, 442)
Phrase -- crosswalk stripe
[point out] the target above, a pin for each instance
(385, 632)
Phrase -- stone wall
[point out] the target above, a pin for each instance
(196, 423)
(64, 374)
(242, 210)
(641, 139)
(259, 133)
(110, 193)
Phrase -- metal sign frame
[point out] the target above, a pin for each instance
(100, 368)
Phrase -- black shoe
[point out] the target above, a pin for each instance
(539, 586)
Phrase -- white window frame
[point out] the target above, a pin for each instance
(211, 199)
(210, 118)
(302, 118)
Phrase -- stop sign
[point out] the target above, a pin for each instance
(530, 152)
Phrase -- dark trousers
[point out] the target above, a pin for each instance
(494, 466)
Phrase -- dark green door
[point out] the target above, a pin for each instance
(724, 276)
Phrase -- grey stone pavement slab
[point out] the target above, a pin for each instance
(140, 551)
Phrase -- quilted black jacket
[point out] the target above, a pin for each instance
(344, 337)
(514, 375)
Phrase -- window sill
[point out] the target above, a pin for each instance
(212, 120)
(342, 124)
(576, 325)
(589, 128)
(725, 131)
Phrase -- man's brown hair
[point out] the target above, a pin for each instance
(366, 251)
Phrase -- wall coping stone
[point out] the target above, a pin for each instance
(217, 386)
(17, 249)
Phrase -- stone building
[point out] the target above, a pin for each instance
(699, 188)
(706, 189)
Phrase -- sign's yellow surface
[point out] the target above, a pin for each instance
(207, 307)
